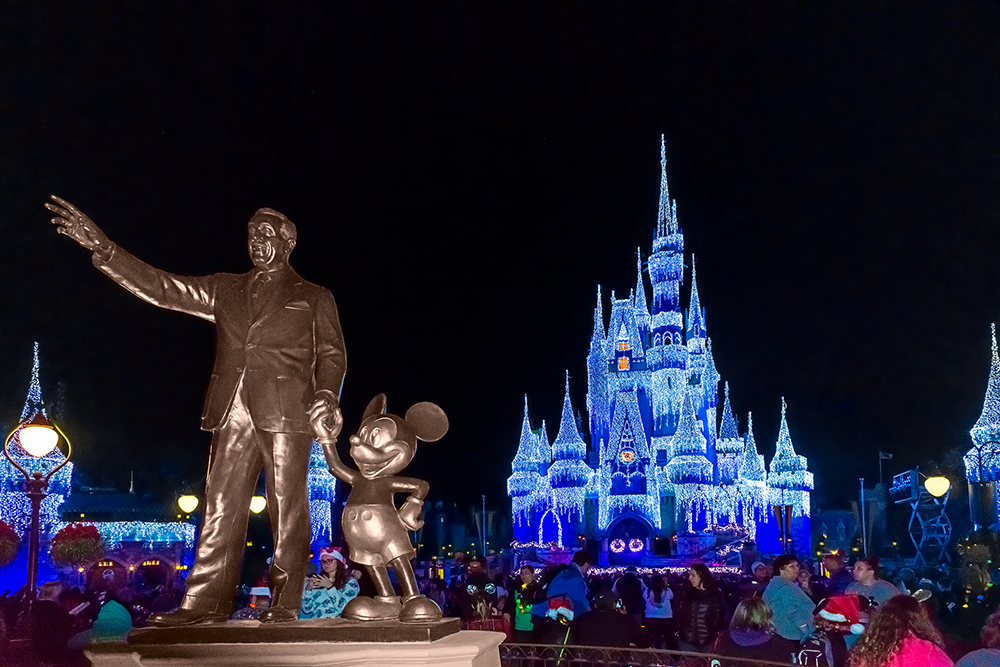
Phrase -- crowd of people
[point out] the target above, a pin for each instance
(779, 611)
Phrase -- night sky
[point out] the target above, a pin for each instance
(464, 176)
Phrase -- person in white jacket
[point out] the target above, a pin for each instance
(659, 614)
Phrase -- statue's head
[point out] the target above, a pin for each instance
(385, 444)
(270, 239)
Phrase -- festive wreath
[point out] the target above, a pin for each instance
(76, 544)
(10, 542)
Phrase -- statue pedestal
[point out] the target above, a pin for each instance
(330, 642)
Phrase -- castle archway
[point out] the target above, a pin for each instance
(628, 540)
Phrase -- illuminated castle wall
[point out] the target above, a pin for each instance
(659, 464)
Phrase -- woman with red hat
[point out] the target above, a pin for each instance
(330, 589)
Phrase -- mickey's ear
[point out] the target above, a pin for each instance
(428, 421)
(375, 407)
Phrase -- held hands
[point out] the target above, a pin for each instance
(325, 418)
(320, 581)
(75, 224)
(409, 514)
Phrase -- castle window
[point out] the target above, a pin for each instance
(623, 363)
(623, 346)
(656, 339)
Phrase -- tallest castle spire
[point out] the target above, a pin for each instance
(666, 222)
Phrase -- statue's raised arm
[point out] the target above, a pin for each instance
(75, 224)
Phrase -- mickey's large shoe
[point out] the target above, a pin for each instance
(372, 609)
(419, 609)
(184, 617)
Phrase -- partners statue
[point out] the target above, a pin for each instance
(375, 531)
(279, 351)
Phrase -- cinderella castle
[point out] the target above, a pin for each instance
(659, 466)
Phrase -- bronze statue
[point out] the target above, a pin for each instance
(374, 529)
(279, 353)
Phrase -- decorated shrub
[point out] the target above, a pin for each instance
(77, 544)
(10, 542)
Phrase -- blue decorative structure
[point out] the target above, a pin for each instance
(658, 465)
(982, 462)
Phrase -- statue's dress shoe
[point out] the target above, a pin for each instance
(419, 609)
(278, 615)
(183, 617)
(372, 609)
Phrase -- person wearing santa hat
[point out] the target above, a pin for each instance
(328, 591)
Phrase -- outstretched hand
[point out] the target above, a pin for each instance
(75, 224)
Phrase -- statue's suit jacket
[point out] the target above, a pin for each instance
(287, 350)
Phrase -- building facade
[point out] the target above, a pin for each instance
(659, 464)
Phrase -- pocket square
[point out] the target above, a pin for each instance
(297, 305)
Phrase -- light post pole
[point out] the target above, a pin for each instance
(38, 437)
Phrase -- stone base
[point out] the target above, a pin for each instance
(321, 642)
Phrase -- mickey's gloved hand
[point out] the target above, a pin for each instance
(409, 514)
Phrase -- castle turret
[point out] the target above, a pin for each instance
(524, 484)
(597, 379)
(790, 483)
(982, 462)
(751, 483)
(569, 472)
(729, 446)
(690, 471)
(668, 355)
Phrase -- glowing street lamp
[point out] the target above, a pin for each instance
(937, 485)
(188, 503)
(38, 437)
(257, 504)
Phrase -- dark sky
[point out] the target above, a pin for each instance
(463, 176)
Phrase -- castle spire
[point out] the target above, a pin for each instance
(989, 420)
(568, 443)
(665, 222)
(784, 448)
(752, 468)
(525, 459)
(33, 403)
(640, 287)
(696, 316)
(598, 319)
(729, 429)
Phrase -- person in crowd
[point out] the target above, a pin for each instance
(607, 624)
(51, 625)
(792, 608)
(659, 614)
(805, 582)
(900, 635)
(989, 654)
(501, 590)
(629, 589)
(567, 589)
(751, 634)
(478, 597)
(838, 575)
(700, 617)
(754, 585)
(749, 556)
(867, 584)
(260, 601)
(164, 602)
(329, 590)
(524, 592)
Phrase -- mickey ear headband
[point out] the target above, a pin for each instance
(327, 551)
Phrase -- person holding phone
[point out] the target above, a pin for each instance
(328, 591)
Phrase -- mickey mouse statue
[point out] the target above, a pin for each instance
(374, 529)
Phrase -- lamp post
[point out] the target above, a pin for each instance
(38, 437)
